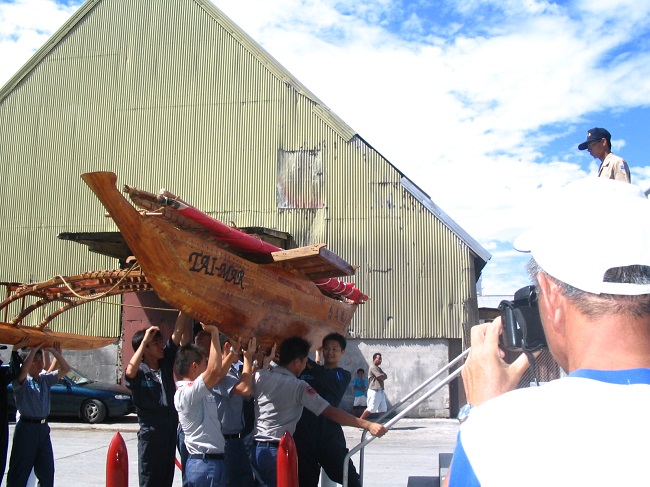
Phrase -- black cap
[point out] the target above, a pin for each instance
(595, 133)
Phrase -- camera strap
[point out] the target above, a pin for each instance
(527, 352)
(531, 361)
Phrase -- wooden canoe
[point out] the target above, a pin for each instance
(215, 285)
(185, 216)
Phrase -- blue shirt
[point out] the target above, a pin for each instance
(360, 383)
(229, 406)
(33, 395)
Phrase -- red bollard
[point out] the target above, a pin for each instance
(117, 463)
(287, 466)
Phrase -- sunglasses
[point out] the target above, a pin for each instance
(593, 142)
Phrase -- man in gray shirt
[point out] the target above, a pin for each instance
(280, 397)
(229, 400)
(376, 396)
(196, 411)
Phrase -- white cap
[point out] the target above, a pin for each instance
(588, 227)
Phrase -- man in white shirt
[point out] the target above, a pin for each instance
(590, 427)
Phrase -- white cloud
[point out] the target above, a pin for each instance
(25, 25)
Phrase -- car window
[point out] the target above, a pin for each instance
(77, 377)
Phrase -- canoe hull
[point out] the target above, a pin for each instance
(215, 286)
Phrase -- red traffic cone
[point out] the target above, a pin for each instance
(117, 463)
(287, 466)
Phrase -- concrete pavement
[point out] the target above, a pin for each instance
(409, 449)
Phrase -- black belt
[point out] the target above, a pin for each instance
(232, 437)
(206, 456)
(268, 444)
(33, 420)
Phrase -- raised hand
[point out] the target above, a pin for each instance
(486, 374)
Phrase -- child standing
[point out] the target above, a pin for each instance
(360, 395)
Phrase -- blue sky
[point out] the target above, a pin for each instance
(481, 103)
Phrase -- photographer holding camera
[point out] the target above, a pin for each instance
(590, 245)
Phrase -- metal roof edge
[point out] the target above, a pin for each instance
(426, 201)
(45, 49)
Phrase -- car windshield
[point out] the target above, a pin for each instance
(77, 377)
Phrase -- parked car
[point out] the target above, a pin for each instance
(92, 401)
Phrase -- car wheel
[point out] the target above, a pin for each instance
(93, 411)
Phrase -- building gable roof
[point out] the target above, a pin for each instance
(279, 72)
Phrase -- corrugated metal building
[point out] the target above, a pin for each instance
(173, 94)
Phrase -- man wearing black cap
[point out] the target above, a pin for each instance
(599, 145)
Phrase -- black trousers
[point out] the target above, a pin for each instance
(157, 455)
(323, 447)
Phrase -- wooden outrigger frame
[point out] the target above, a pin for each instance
(26, 300)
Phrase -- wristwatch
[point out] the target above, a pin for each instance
(463, 413)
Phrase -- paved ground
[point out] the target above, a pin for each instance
(410, 449)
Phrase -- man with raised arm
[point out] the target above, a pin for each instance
(32, 446)
(7, 375)
(229, 396)
(200, 372)
(280, 397)
(150, 377)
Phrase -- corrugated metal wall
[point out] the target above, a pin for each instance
(171, 94)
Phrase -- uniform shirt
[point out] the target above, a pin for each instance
(280, 397)
(33, 395)
(330, 384)
(375, 384)
(229, 406)
(589, 428)
(196, 406)
(7, 375)
(154, 402)
(614, 167)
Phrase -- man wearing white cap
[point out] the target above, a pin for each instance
(591, 427)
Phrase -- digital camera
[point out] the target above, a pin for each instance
(522, 325)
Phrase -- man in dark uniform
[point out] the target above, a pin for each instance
(319, 441)
(150, 377)
(32, 446)
(7, 375)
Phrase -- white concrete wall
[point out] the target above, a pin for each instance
(407, 363)
(101, 364)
